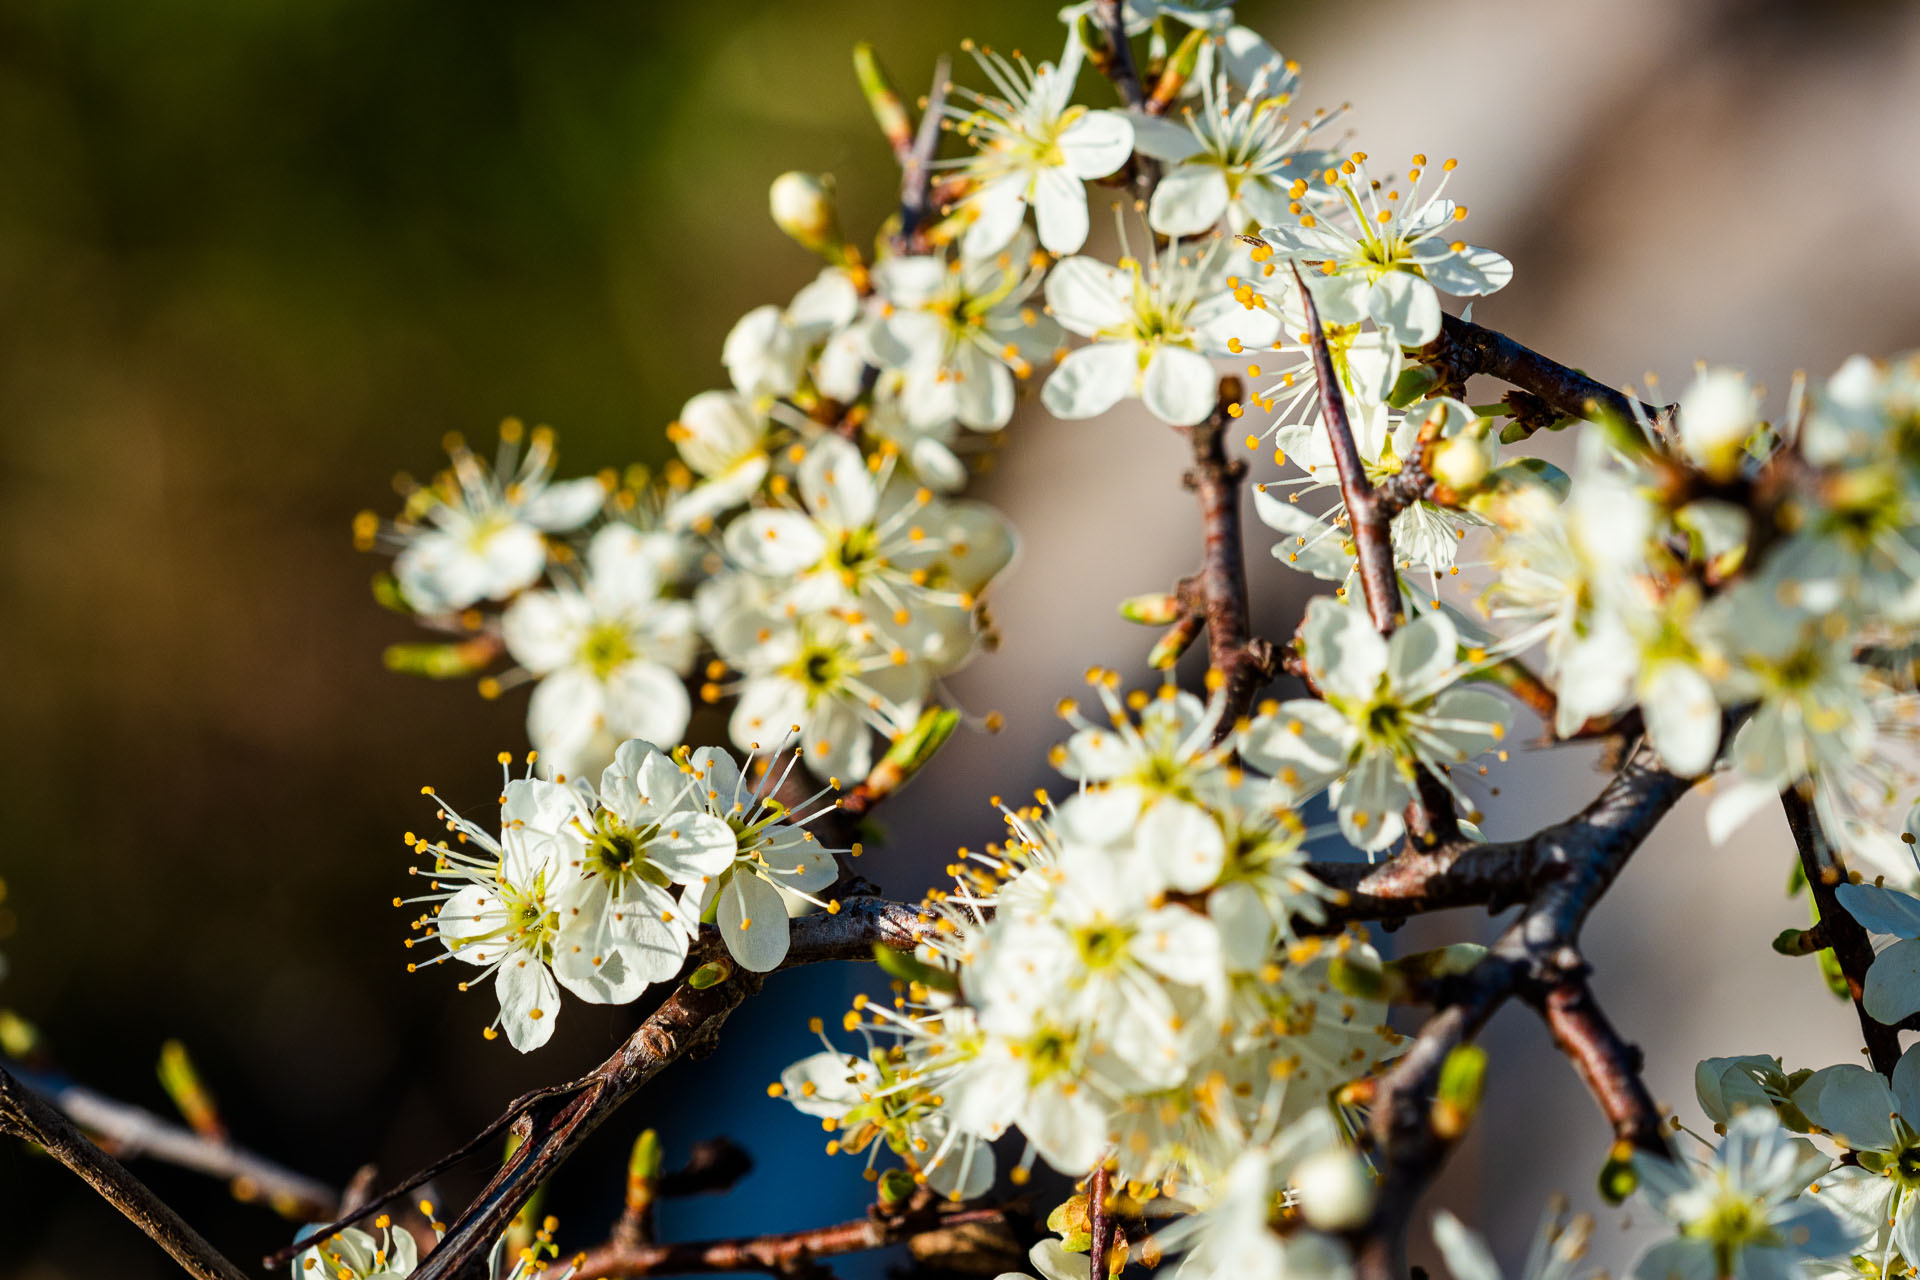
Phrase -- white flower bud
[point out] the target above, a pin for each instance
(802, 206)
(1461, 462)
(1336, 1191)
(1717, 414)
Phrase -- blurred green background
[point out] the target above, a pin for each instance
(255, 258)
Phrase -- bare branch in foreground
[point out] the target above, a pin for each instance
(788, 1252)
(133, 1132)
(25, 1114)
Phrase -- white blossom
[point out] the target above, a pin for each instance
(609, 653)
(1033, 147)
(1397, 257)
(1152, 329)
(963, 331)
(476, 533)
(1390, 708)
(1741, 1214)
(497, 901)
(1234, 159)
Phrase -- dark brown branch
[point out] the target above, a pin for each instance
(1371, 523)
(1536, 956)
(24, 1114)
(1465, 348)
(686, 1022)
(1411, 1146)
(1110, 16)
(788, 1252)
(1609, 1065)
(1099, 1221)
(1115, 61)
(1851, 945)
(559, 1118)
(916, 165)
(132, 1131)
(1218, 592)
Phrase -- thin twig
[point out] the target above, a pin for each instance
(559, 1118)
(1110, 15)
(786, 1252)
(916, 166)
(686, 1022)
(133, 1131)
(1851, 945)
(1245, 663)
(25, 1114)
(1371, 527)
(1609, 1065)
(1465, 348)
(1099, 1221)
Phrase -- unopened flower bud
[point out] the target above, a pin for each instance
(1718, 414)
(1336, 1191)
(895, 1187)
(802, 206)
(1461, 462)
(1155, 609)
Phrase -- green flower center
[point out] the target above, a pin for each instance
(1731, 1224)
(1049, 1053)
(856, 551)
(1100, 945)
(1906, 1165)
(821, 669)
(608, 647)
(617, 851)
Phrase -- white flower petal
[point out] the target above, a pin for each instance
(1189, 199)
(775, 543)
(1091, 380)
(1405, 306)
(753, 922)
(1088, 296)
(1095, 145)
(1179, 386)
(529, 1002)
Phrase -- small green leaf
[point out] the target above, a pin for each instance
(908, 967)
(1414, 382)
(387, 594)
(895, 1187)
(1154, 609)
(711, 974)
(648, 1155)
(439, 661)
(1618, 1178)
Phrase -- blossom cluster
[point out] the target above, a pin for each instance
(1135, 975)
(1147, 977)
(603, 892)
(807, 560)
(390, 1252)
